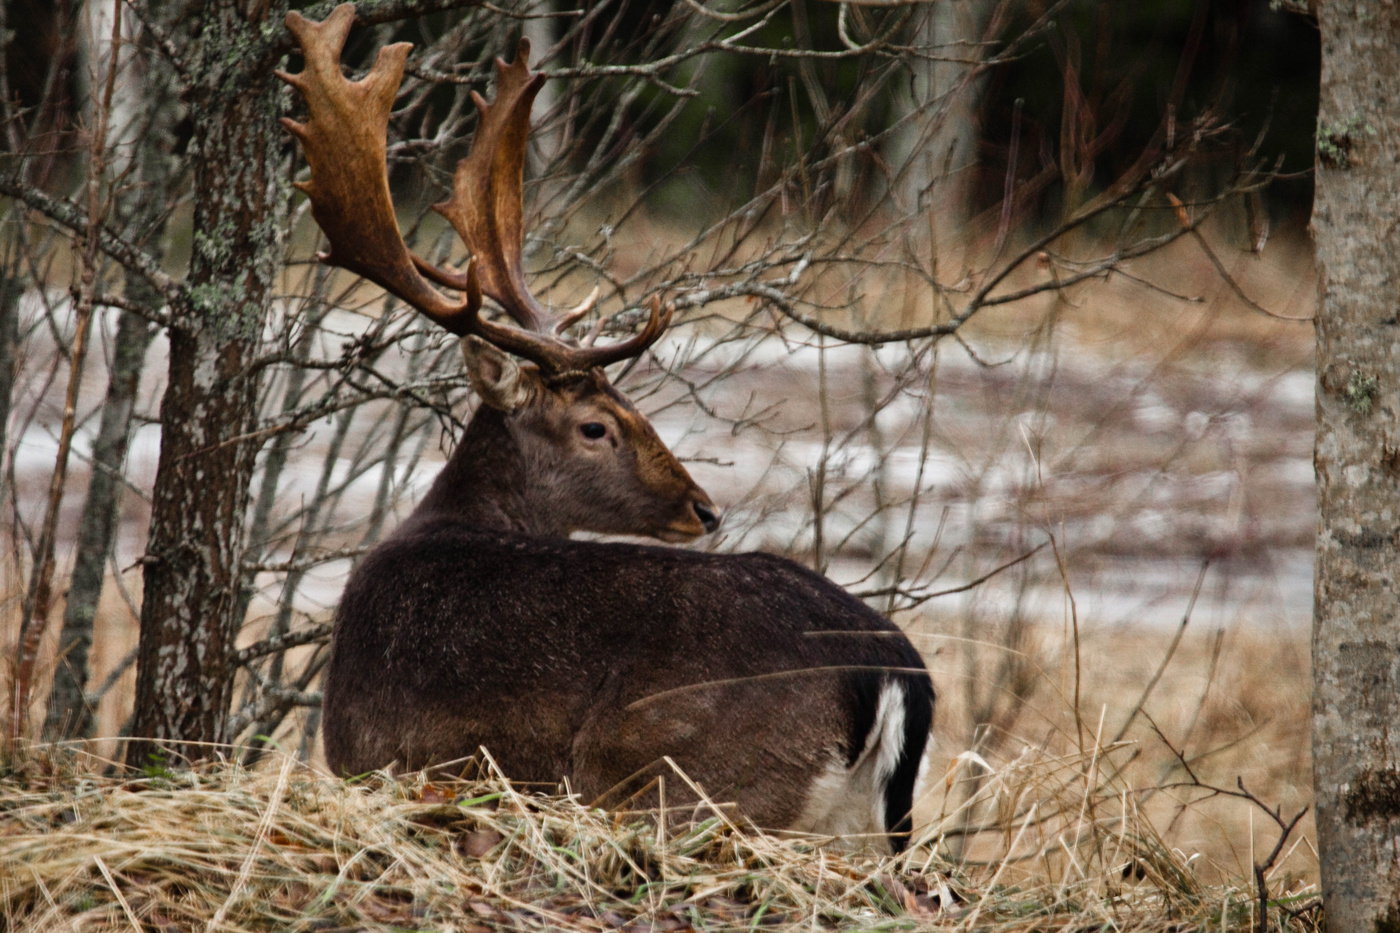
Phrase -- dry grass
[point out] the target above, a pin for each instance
(1233, 704)
(1051, 823)
(288, 848)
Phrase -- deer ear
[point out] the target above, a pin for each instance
(495, 375)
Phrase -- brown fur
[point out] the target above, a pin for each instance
(478, 623)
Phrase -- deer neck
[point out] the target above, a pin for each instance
(489, 481)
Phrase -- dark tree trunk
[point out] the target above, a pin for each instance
(11, 277)
(1356, 628)
(11, 288)
(190, 614)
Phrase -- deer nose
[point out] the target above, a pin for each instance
(706, 514)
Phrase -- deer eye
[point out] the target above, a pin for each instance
(592, 430)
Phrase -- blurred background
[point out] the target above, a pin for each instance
(997, 313)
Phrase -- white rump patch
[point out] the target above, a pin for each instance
(850, 801)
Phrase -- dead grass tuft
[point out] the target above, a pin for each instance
(1056, 842)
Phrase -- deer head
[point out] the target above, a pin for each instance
(589, 459)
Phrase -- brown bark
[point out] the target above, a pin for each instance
(1356, 629)
(190, 613)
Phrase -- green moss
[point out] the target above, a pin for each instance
(212, 246)
(1361, 390)
(1335, 140)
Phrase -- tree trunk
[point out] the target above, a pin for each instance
(189, 616)
(147, 120)
(69, 714)
(1356, 629)
(11, 288)
(936, 152)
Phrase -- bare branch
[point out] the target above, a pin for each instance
(367, 13)
(280, 643)
(76, 220)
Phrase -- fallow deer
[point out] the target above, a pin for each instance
(479, 623)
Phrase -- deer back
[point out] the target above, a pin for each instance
(594, 662)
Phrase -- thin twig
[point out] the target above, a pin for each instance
(278, 643)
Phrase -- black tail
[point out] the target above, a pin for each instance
(899, 792)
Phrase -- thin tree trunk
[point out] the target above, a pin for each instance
(935, 153)
(69, 714)
(11, 288)
(282, 622)
(190, 617)
(11, 277)
(1356, 627)
(151, 112)
(34, 613)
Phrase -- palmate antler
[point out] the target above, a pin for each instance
(344, 140)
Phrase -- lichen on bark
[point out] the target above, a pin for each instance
(1356, 628)
(191, 610)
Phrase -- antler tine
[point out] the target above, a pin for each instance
(486, 203)
(657, 322)
(573, 315)
(349, 188)
(555, 356)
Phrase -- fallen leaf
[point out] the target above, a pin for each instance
(479, 842)
(437, 793)
(398, 913)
